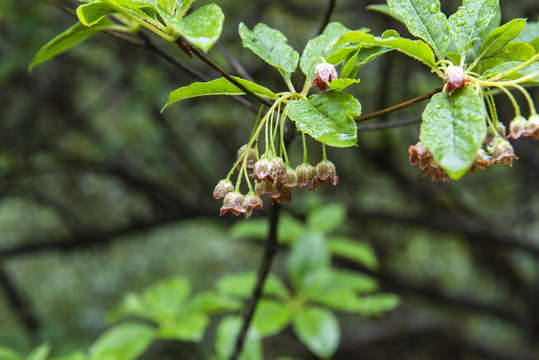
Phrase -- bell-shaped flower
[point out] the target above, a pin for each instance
(325, 170)
(420, 155)
(518, 127)
(291, 178)
(307, 176)
(264, 169)
(482, 160)
(264, 187)
(251, 157)
(234, 202)
(222, 188)
(503, 153)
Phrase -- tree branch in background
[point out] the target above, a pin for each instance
(327, 16)
(18, 304)
(233, 62)
(265, 265)
(387, 125)
(398, 106)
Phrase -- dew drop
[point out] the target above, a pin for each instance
(461, 22)
(470, 11)
(446, 38)
(433, 8)
(460, 13)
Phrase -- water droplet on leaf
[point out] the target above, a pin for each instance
(433, 8)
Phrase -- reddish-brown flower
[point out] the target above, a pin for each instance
(222, 188)
(291, 178)
(307, 176)
(264, 169)
(518, 127)
(420, 155)
(264, 187)
(324, 73)
(503, 153)
(252, 201)
(251, 157)
(325, 170)
(234, 202)
(482, 160)
(436, 173)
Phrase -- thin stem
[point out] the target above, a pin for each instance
(398, 106)
(283, 145)
(263, 271)
(324, 156)
(182, 42)
(512, 98)
(304, 147)
(528, 99)
(493, 118)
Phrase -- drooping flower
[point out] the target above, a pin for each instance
(324, 73)
(306, 176)
(222, 188)
(482, 160)
(264, 169)
(234, 202)
(420, 155)
(264, 187)
(436, 173)
(518, 127)
(251, 157)
(503, 153)
(291, 178)
(325, 170)
(252, 201)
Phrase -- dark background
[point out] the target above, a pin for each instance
(100, 194)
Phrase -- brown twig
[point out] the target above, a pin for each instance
(233, 62)
(398, 106)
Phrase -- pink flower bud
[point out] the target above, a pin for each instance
(455, 78)
(324, 73)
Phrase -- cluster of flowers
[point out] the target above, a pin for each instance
(274, 178)
(496, 149)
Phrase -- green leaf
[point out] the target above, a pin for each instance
(210, 302)
(341, 84)
(69, 38)
(470, 21)
(201, 28)
(219, 86)
(166, 299)
(40, 353)
(225, 339)
(77, 355)
(376, 304)
(9, 354)
(307, 261)
(327, 117)
(354, 250)
(270, 317)
(320, 47)
(91, 13)
(512, 51)
(424, 19)
(272, 46)
(500, 36)
(384, 9)
(363, 55)
(242, 285)
(126, 341)
(327, 218)
(318, 329)
(530, 35)
(531, 69)
(189, 326)
(453, 128)
(416, 49)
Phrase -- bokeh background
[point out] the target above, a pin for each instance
(100, 194)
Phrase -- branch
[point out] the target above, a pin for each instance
(233, 62)
(271, 249)
(387, 125)
(17, 302)
(398, 106)
(327, 17)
